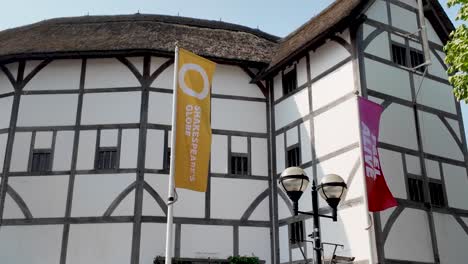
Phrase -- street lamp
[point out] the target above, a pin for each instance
(332, 189)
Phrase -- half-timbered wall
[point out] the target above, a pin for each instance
(77, 213)
(320, 117)
(421, 138)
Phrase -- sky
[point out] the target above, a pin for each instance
(277, 17)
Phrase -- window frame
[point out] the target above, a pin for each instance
(300, 225)
(232, 167)
(108, 149)
(441, 196)
(404, 55)
(289, 75)
(47, 151)
(420, 55)
(299, 156)
(420, 189)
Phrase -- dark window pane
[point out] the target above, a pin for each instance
(415, 187)
(41, 161)
(107, 159)
(168, 158)
(437, 194)
(289, 82)
(417, 58)
(296, 232)
(399, 55)
(239, 165)
(293, 157)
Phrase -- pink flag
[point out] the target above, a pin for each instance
(379, 196)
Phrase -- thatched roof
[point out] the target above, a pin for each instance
(138, 32)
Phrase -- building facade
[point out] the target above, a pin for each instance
(86, 120)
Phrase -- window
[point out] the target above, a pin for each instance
(289, 82)
(437, 194)
(415, 187)
(239, 164)
(417, 58)
(106, 158)
(168, 158)
(399, 55)
(296, 233)
(41, 160)
(293, 156)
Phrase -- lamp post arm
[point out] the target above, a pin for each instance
(312, 214)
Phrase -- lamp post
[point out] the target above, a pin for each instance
(332, 188)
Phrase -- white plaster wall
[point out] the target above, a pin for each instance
(237, 115)
(154, 149)
(219, 154)
(380, 46)
(137, 62)
(436, 95)
(225, 191)
(378, 12)
(6, 104)
(283, 210)
(99, 243)
(432, 169)
(392, 167)
(239, 144)
(280, 153)
(325, 57)
(413, 164)
(403, 134)
(111, 108)
(259, 156)
(412, 3)
(86, 150)
(367, 30)
(301, 71)
(20, 153)
(157, 182)
(436, 138)
(385, 215)
(165, 79)
(292, 136)
(255, 241)
(387, 79)
(129, 148)
(292, 108)
(41, 110)
(333, 86)
(43, 140)
(306, 150)
(432, 34)
(409, 235)
(160, 108)
(259, 213)
(232, 80)
(19, 244)
(218, 241)
(45, 196)
(336, 128)
(11, 209)
(153, 241)
(278, 86)
(403, 19)
(3, 142)
(437, 68)
(94, 193)
(451, 239)
(456, 127)
(5, 85)
(284, 243)
(456, 184)
(108, 73)
(108, 138)
(57, 75)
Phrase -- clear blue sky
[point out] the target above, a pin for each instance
(278, 17)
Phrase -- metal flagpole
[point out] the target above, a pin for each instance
(171, 191)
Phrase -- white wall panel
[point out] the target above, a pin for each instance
(238, 115)
(284, 244)
(436, 95)
(57, 75)
(5, 85)
(165, 79)
(20, 154)
(403, 19)
(451, 239)
(283, 210)
(99, 243)
(86, 150)
(111, 108)
(378, 12)
(387, 79)
(380, 46)
(292, 136)
(3, 143)
(160, 108)
(367, 30)
(41, 110)
(413, 164)
(45, 196)
(456, 184)
(292, 108)
(219, 154)
(437, 139)
(385, 215)
(226, 191)
(259, 156)
(108, 73)
(333, 86)
(262, 212)
(158, 182)
(306, 150)
(12, 210)
(239, 144)
(255, 241)
(278, 86)
(326, 56)
(280, 153)
(156, 62)
(218, 241)
(436, 68)
(5, 111)
(392, 168)
(412, 3)
(432, 34)
(19, 244)
(93, 194)
(456, 127)
(129, 148)
(43, 140)
(410, 234)
(137, 62)
(301, 71)
(403, 134)
(153, 242)
(432, 169)
(336, 128)
(108, 138)
(154, 149)
(232, 80)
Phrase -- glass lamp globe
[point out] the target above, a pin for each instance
(294, 181)
(332, 189)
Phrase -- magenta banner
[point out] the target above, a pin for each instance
(379, 196)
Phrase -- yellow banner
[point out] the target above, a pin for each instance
(193, 135)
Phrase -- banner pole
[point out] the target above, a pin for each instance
(171, 189)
